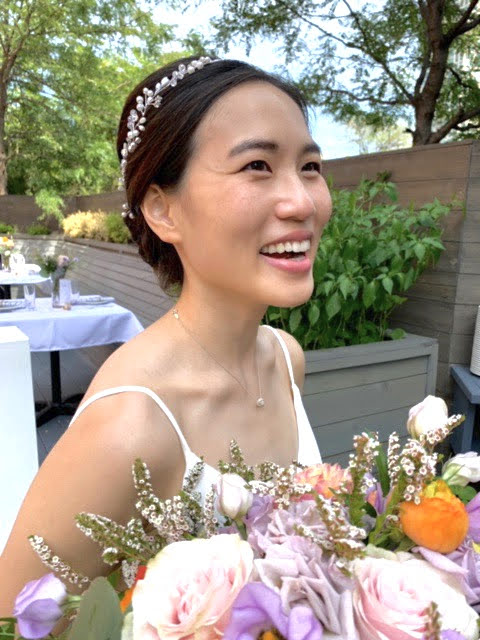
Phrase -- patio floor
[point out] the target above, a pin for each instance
(78, 366)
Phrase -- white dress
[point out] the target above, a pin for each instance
(308, 452)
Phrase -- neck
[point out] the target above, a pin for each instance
(225, 327)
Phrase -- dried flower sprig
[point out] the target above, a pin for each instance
(433, 627)
(280, 483)
(57, 565)
(430, 439)
(393, 457)
(237, 464)
(360, 465)
(341, 538)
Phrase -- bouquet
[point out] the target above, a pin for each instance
(386, 549)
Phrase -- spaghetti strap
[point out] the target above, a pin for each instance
(285, 352)
(123, 389)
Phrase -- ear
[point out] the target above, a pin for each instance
(158, 212)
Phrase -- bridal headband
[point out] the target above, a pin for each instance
(137, 117)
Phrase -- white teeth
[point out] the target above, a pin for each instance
(280, 247)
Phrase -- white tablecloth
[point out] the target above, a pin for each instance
(7, 278)
(82, 326)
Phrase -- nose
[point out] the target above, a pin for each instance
(294, 200)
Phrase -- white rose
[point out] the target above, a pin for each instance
(462, 469)
(233, 497)
(429, 414)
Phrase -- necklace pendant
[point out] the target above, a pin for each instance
(260, 402)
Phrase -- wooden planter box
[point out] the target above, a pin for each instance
(367, 387)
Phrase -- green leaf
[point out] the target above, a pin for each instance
(387, 284)
(369, 294)
(99, 616)
(419, 251)
(313, 314)
(333, 305)
(295, 319)
(398, 334)
(7, 628)
(382, 470)
(344, 285)
(464, 493)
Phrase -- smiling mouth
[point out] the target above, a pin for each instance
(287, 250)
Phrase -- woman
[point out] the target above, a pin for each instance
(227, 203)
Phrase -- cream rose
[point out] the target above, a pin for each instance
(391, 596)
(189, 589)
(429, 414)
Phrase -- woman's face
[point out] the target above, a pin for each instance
(253, 203)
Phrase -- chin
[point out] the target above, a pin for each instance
(291, 296)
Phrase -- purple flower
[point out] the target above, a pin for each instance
(452, 635)
(37, 606)
(258, 608)
(473, 510)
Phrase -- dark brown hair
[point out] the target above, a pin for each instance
(167, 144)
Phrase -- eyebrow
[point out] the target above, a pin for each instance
(268, 145)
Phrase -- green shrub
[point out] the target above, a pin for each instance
(6, 229)
(117, 229)
(96, 225)
(38, 229)
(371, 252)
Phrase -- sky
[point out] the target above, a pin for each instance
(334, 139)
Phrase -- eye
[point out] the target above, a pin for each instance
(257, 165)
(312, 166)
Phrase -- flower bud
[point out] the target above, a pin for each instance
(37, 606)
(462, 469)
(233, 497)
(431, 413)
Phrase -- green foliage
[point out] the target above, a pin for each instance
(47, 264)
(68, 83)
(116, 229)
(99, 616)
(96, 225)
(370, 253)
(6, 229)
(373, 63)
(38, 229)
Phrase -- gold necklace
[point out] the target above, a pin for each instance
(259, 402)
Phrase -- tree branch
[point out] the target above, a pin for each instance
(455, 120)
(376, 58)
(462, 26)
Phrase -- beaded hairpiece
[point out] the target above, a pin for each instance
(137, 117)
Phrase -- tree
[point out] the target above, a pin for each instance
(416, 60)
(65, 68)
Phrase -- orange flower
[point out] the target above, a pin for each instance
(323, 478)
(127, 596)
(439, 522)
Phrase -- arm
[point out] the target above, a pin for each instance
(297, 357)
(89, 470)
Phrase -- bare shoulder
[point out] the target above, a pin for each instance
(89, 470)
(297, 357)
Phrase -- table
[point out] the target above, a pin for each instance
(466, 398)
(7, 279)
(55, 330)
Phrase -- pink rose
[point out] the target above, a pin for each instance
(189, 589)
(323, 478)
(391, 596)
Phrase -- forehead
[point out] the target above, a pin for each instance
(252, 110)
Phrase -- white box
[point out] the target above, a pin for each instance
(18, 435)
